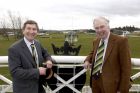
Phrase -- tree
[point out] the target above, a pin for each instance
(16, 23)
(4, 30)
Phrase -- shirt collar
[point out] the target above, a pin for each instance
(27, 42)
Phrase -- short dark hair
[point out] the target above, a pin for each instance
(30, 22)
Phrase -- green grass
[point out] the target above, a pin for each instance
(134, 43)
(4, 45)
(58, 39)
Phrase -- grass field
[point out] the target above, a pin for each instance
(58, 39)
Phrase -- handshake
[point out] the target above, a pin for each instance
(47, 70)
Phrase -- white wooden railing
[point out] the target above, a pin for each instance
(68, 59)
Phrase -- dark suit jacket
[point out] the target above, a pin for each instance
(23, 69)
(116, 69)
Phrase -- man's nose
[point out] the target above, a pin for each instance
(32, 31)
(99, 30)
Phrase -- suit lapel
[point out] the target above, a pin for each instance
(27, 53)
(95, 47)
(109, 46)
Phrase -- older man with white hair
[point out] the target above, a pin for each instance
(110, 59)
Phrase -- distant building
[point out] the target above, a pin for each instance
(137, 31)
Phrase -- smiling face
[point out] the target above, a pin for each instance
(102, 28)
(30, 31)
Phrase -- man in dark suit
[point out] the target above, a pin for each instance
(26, 58)
(110, 59)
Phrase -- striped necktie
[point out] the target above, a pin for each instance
(99, 59)
(34, 53)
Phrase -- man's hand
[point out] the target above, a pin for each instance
(42, 71)
(87, 65)
(48, 64)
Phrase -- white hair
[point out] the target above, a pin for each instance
(101, 18)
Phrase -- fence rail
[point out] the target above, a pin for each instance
(68, 59)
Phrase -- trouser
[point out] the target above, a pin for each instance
(97, 85)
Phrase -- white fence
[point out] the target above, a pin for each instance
(67, 59)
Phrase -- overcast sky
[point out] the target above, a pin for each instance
(74, 14)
